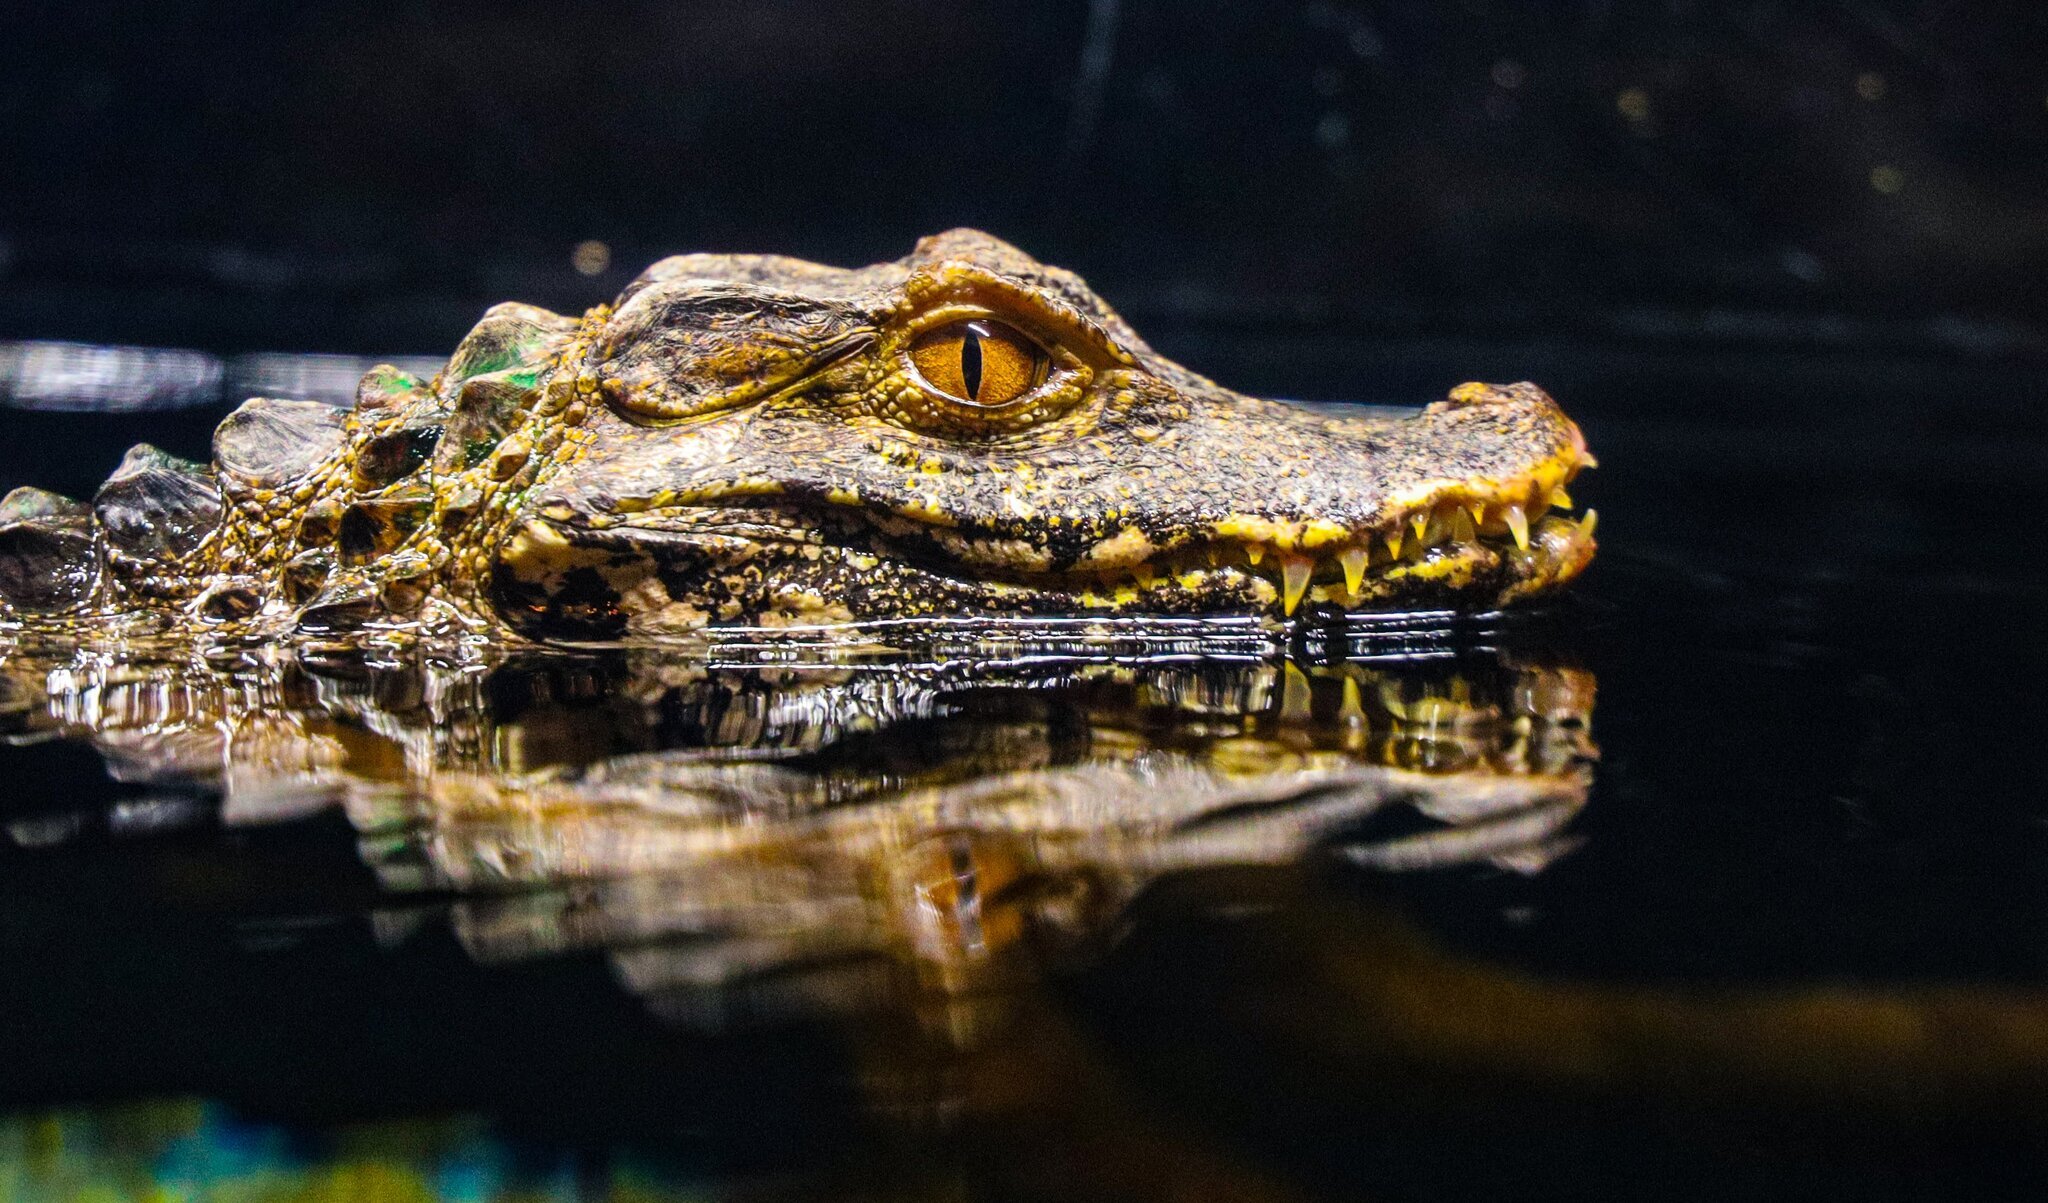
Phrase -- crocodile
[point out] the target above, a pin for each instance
(761, 441)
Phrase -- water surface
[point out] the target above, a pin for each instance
(1725, 875)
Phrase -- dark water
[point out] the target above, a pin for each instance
(1728, 876)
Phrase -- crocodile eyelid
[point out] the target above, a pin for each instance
(931, 296)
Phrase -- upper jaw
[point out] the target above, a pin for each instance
(1450, 506)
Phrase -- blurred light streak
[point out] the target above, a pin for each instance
(329, 378)
(84, 377)
(80, 376)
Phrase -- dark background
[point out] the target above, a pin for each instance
(1259, 186)
(1784, 262)
(1793, 253)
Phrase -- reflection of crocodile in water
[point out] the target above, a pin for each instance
(838, 828)
(755, 830)
(752, 439)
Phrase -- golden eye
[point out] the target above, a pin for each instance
(980, 362)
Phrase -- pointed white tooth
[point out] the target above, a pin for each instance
(1354, 561)
(1420, 521)
(1478, 511)
(1591, 520)
(1559, 498)
(1518, 525)
(1394, 543)
(1294, 574)
(1254, 552)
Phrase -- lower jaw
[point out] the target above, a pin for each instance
(614, 583)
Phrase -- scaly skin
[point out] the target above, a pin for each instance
(755, 440)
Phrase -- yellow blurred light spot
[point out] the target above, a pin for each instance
(1870, 86)
(1886, 178)
(1633, 103)
(591, 257)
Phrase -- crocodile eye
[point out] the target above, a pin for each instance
(980, 362)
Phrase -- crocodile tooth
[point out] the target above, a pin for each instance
(1351, 712)
(1478, 511)
(1254, 552)
(1294, 574)
(1354, 561)
(1518, 525)
(1591, 520)
(1145, 574)
(1559, 498)
(1394, 543)
(1297, 696)
(1462, 528)
(1420, 521)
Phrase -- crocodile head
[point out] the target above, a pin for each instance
(967, 430)
(748, 439)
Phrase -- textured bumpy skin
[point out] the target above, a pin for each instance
(749, 439)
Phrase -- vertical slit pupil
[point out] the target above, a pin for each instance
(970, 363)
